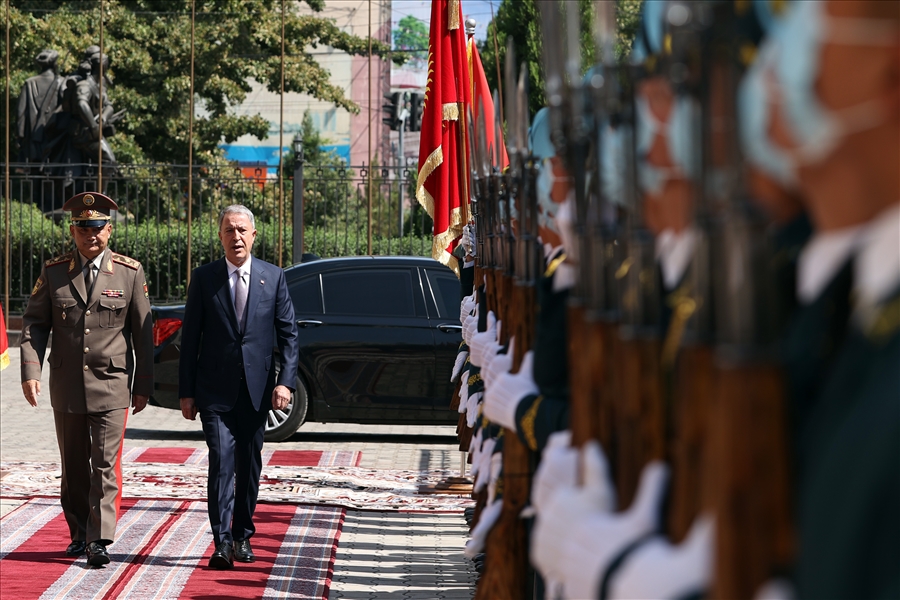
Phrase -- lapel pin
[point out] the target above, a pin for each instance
(262, 281)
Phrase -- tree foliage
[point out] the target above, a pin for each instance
(149, 44)
(520, 19)
(412, 34)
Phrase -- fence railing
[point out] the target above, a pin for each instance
(327, 215)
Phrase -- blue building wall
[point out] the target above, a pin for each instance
(268, 155)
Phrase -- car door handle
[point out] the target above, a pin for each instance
(308, 323)
(448, 328)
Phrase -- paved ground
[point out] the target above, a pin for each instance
(380, 555)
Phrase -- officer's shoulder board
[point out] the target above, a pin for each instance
(62, 258)
(124, 260)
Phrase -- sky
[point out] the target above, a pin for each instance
(480, 10)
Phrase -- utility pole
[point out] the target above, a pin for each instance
(298, 224)
(403, 117)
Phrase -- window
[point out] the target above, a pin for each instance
(446, 293)
(376, 292)
(306, 296)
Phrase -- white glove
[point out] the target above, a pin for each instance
(565, 221)
(482, 339)
(463, 392)
(470, 326)
(475, 448)
(458, 365)
(490, 352)
(498, 363)
(496, 469)
(473, 408)
(484, 465)
(466, 307)
(486, 521)
(506, 391)
(468, 239)
(558, 468)
(478, 450)
(657, 569)
(574, 542)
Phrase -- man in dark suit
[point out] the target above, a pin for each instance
(238, 310)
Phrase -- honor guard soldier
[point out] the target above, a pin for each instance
(96, 304)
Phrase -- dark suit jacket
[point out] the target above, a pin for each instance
(214, 352)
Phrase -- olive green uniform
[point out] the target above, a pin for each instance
(102, 350)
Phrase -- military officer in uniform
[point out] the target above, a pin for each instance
(101, 360)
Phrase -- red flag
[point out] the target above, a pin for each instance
(4, 342)
(482, 101)
(440, 186)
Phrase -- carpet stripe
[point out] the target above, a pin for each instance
(25, 521)
(135, 529)
(131, 454)
(305, 560)
(176, 456)
(247, 579)
(169, 564)
(296, 458)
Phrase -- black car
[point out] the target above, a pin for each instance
(378, 338)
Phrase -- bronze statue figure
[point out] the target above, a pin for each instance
(38, 105)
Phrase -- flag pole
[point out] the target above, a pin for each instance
(497, 64)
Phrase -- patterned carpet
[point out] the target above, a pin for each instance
(288, 476)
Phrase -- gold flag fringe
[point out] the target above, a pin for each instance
(450, 112)
(422, 195)
(453, 16)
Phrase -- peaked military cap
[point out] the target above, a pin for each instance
(90, 209)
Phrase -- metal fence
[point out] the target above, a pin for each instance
(327, 214)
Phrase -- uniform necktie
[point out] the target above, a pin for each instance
(240, 297)
(89, 278)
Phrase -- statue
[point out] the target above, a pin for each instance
(59, 129)
(87, 106)
(38, 106)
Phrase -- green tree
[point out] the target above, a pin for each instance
(412, 35)
(520, 19)
(148, 41)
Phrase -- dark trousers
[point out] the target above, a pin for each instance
(90, 450)
(235, 440)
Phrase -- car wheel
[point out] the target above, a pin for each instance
(281, 424)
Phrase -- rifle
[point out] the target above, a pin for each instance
(506, 547)
(638, 409)
(748, 448)
(570, 136)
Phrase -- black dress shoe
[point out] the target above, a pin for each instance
(223, 557)
(97, 556)
(76, 548)
(243, 552)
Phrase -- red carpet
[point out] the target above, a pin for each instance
(161, 551)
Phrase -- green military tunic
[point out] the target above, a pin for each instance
(101, 352)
